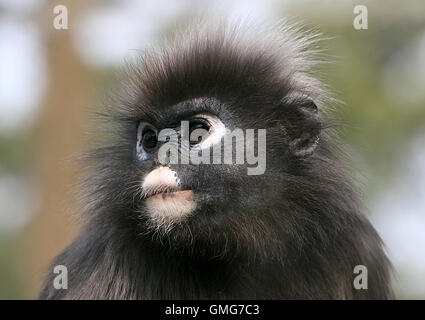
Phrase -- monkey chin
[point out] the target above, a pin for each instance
(170, 208)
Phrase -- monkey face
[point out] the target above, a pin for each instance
(214, 199)
(178, 187)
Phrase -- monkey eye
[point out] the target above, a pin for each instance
(147, 139)
(205, 129)
(198, 130)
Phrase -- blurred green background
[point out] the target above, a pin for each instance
(51, 80)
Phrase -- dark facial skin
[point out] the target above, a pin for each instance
(296, 231)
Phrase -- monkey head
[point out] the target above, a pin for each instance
(217, 176)
(260, 96)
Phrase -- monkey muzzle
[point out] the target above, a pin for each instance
(165, 201)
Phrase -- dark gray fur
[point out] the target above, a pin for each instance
(296, 232)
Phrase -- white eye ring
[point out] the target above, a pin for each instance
(216, 132)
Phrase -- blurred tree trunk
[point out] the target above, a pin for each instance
(58, 139)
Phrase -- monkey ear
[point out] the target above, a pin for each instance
(303, 127)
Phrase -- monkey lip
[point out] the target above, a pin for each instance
(171, 194)
(170, 206)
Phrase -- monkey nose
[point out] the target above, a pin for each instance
(161, 177)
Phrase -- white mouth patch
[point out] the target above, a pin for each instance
(160, 179)
(165, 202)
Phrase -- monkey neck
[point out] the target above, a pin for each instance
(153, 272)
(106, 262)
